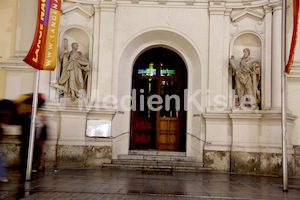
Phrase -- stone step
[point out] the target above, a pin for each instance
(157, 153)
(157, 161)
(157, 158)
(156, 168)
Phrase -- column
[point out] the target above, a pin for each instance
(266, 75)
(276, 57)
(227, 88)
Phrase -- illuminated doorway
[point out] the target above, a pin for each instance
(158, 120)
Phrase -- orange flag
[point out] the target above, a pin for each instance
(43, 52)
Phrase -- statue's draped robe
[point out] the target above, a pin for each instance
(247, 76)
(74, 72)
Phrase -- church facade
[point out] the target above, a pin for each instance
(192, 76)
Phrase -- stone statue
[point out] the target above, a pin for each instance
(75, 70)
(246, 80)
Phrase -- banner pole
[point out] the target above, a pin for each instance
(32, 126)
(283, 98)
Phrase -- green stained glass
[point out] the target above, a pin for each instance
(149, 71)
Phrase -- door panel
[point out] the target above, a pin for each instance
(143, 125)
(142, 139)
(168, 134)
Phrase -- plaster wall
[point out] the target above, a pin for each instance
(218, 132)
(8, 17)
(293, 106)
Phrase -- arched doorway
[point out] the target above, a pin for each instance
(158, 119)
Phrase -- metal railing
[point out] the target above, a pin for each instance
(119, 135)
(198, 138)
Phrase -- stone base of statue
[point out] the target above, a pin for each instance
(247, 108)
(74, 104)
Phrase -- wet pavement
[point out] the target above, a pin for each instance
(93, 184)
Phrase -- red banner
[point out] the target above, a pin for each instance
(294, 36)
(43, 52)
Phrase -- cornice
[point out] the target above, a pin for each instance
(16, 64)
(83, 1)
(226, 3)
(215, 116)
(295, 73)
(246, 4)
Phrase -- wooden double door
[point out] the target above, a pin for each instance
(158, 119)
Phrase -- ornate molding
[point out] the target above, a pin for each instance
(217, 8)
(108, 7)
(236, 16)
(233, 29)
(259, 26)
(79, 8)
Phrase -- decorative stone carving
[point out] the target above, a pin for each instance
(260, 27)
(74, 73)
(246, 81)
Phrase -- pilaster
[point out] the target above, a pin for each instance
(106, 50)
(96, 40)
(216, 52)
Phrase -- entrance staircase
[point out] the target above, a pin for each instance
(157, 161)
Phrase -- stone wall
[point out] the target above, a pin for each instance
(59, 156)
(251, 162)
(83, 156)
(217, 160)
(10, 148)
(297, 159)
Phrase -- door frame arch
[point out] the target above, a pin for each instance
(195, 61)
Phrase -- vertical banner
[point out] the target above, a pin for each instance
(294, 36)
(43, 52)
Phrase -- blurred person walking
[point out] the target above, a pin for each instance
(7, 113)
(24, 111)
(24, 120)
(41, 137)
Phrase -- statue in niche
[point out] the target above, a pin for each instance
(75, 70)
(246, 80)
